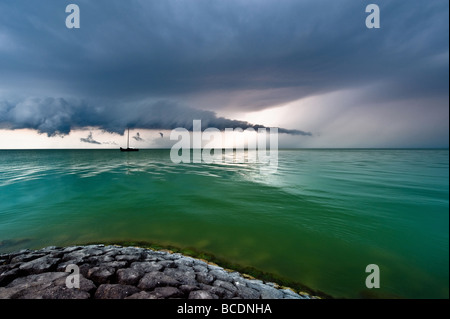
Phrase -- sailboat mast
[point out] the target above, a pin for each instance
(128, 140)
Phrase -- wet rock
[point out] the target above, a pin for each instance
(186, 289)
(100, 275)
(168, 292)
(200, 294)
(205, 278)
(248, 293)
(144, 295)
(155, 279)
(115, 291)
(147, 266)
(8, 275)
(220, 275)
(39, 265)
(268, 292)
(225, 284)
(125, 272)
(60, 292)
(182, 276)
(129, 276)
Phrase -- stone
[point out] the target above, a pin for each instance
(155, 279)
(26, 257)
(255, 284)
(205, 278)
(248, 293)
(167, 264)
(30, 287)
(8, 276)
(115, 291)
(225, 284)
(218, 291)
(151, 275)
(59, 292)
(86, 285)
(200, 294)
(200, 268)
(184, 277)
(129, 276)
(147, 266)
(168, 292)
(289, 294)
(185, 261)
(186, 289)
(144, 295)
(220, 275)
(268, 292)
(77, 256)
(39, 265)
(100, 275)
(128, 258)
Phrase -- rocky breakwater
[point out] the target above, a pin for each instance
(114, 272)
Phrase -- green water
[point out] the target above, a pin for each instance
(320, 220)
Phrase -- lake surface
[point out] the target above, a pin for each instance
(320, 219)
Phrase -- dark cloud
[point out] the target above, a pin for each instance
(89, 139)
(59, 116)
(138, 137)
(234, 55)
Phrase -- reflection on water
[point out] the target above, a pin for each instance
(319, 219)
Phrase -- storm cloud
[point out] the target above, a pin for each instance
(59, 116)
(89, 139)
(161, 64)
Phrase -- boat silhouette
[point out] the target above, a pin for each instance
(128, 149)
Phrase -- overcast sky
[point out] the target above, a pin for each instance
(309, 67)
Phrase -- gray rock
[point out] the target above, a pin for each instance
(225, 284)
(8, 276)
(205, 278)
(167, 264)
(30, 287)
(115, 291)
(221, 275)
(59, 292)
(184, 277)
(26, 257)
(144, 295)
(77, 256)
(248, 293)
(186, 289)
(147, 266)
(98, 260)
(86, 285)
(115, 264)
(289, 294)
(71, 249)
(129, 276)
(268, 292)
(200, 294)
(255, 284)
(168, 292)
(128, 258)
(218, 292)
(155, 279)
(39, 265)
(185, 261)
(200, 268)
(100, 275)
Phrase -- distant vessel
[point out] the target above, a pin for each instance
(128, 149)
